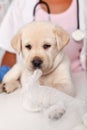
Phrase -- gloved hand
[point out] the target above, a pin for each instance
(3, 71)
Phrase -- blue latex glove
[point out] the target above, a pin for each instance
(3, 71)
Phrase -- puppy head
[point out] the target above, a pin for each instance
(39, 43)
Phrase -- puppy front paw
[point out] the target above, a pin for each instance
(11, 86)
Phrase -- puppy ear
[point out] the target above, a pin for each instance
(62, 37)
(17, 42)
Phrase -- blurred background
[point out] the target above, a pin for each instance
(4, 4)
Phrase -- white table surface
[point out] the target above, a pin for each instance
(14, 117)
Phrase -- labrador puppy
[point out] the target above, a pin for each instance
(40, 45)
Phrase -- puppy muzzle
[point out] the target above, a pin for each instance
(37, 62)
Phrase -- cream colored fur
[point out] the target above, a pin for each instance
(55, 66)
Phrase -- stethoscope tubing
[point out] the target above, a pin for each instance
(47, 6)
(49, 11)
(78, 25)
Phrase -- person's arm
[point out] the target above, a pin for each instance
(14, 19)
(11, 23)
(9, 59)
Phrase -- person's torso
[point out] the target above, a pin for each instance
(68, 20)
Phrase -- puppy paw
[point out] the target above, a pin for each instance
(56, 112)
(11, 86)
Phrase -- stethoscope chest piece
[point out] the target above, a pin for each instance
(78, 35)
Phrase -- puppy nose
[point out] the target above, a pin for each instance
(37, 63)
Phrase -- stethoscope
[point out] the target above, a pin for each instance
(77, 34)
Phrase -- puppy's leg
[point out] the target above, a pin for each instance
(10, 79)
(66, 88)
(11, 86)
(56, 111)
(13, 74)
(63, 80)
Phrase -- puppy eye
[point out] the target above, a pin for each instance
(28, 46)
(46, 46)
